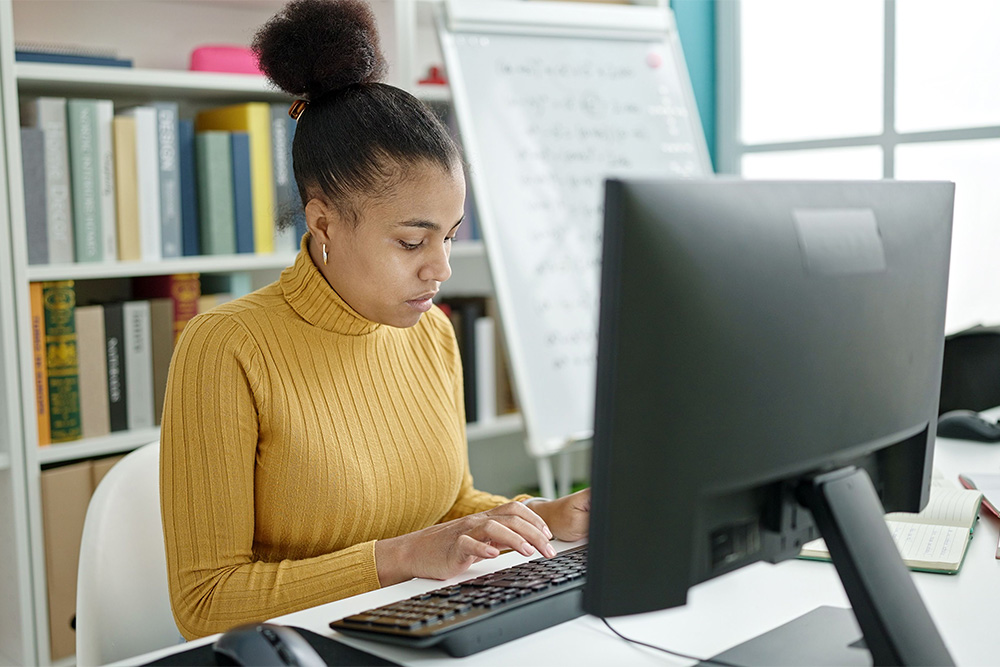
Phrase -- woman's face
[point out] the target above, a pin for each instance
(390, 264)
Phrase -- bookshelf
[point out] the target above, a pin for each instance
(159, 74)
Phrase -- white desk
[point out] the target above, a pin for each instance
(720, 613)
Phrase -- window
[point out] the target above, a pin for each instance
(862, 89)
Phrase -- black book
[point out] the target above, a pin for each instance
(114, 333)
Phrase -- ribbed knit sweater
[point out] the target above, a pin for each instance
(295, 434)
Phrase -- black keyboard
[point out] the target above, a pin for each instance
(483, 612)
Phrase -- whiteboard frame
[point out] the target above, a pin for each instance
(555, 19)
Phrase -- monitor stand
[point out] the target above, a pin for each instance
(897, 628)
(824, 637)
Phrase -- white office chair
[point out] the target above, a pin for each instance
(122, 600)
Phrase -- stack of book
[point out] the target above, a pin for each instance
(141, 183)
(100, 366)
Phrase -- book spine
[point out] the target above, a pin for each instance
(148, 178)
(161, 312)
(486, 398)
(126, 189)
(59, 299)
(81, 121)
(471, 310)
(191, 243)
(215, 192)
(39, 365)
(183, 289)
(170, 178)
(242, 192)
(281, 155)
(33, 170)
(58, 200)
(138, 363)
(90, 336)
(106, 179)
(114, 343)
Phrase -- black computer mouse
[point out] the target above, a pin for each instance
(266, 645)
(967, 425)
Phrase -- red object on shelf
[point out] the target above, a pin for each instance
(434, 77)
(223, 58)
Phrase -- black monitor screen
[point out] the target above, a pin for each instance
(754, 335)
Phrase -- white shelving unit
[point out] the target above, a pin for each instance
(158, 35)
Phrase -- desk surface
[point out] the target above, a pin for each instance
(722, 612)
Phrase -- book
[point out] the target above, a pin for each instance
(183, 290)
(486, 394)
(933, 540)
(242, 191)
(190, 241)
(81, 125)
(161, 327)
(49, 114)
(168, 160)
(114, 346)
(254, 118)
(286, 194)
(33, 177)
(147, 171)
(216, 213)
(138, 363)
(68, 54)
(126, 189)
(106, 178)
(506, 398)
(39, 367)
(93, 371)
(59, 305)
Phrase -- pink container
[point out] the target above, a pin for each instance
(223, 58)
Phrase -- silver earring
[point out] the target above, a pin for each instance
(324, 254)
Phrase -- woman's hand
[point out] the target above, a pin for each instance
(448, 549)
(568, 517)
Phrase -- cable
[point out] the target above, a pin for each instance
(668, 651)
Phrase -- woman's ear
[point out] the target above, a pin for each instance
(319, 217)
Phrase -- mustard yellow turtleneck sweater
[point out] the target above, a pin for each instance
(295, 434)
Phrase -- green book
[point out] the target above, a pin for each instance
(216, 206)
(59, 303)
(84, 166)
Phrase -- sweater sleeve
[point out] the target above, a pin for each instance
(208, 449)
(469, 499)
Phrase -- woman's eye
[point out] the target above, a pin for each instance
(410, 246)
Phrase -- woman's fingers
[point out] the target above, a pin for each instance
(516, 533)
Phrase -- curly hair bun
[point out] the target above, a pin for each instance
(313, 47)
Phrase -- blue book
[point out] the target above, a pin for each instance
(190, 242)
(69, 59)
(242, 192)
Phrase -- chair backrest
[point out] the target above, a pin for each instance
(122, 600)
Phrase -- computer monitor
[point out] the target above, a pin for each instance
(768, 371)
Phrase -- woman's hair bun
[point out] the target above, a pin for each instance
(313, 47)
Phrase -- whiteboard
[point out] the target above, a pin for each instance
(547, 109)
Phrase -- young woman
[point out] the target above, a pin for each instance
(313, 443)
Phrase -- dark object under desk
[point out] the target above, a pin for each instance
(332, 652)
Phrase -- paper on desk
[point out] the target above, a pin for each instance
(989, 484)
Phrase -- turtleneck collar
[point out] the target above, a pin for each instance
(307, 291)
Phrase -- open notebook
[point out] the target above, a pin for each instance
(936, 539)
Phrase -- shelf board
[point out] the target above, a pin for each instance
(199, 264)
(115, 443)
(432, 92)
(502, 425)
(126, 441)
(78, 80)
